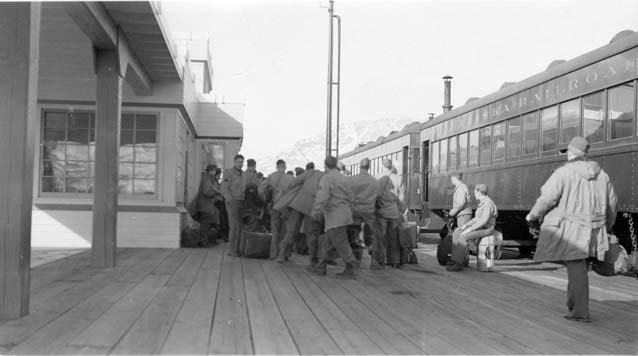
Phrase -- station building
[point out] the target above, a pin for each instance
(170, 127)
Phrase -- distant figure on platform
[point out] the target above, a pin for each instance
(578, 208)
(290, 173)
(391, 171)
(271, 190)
(209, 193)
(482, 225)
(234, 190)
(334, 201)
(300, 207)
(366, 189)
(461, 209)
(251, 176)
(388, 216)
(342, 168)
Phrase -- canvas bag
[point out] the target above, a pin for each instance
(616, 260)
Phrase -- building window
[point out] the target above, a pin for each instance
(68, 153)
(474, 148)
(594, 117)
(569, 120)
(530, 133)
(549, 124)
(514, 137)
(621, 111)
(435, 157)
(443, 160)
(485, 136)
(498, 141)
(452, 153)
(211, 153)
(463, 150)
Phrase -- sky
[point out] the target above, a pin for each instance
(273, 55)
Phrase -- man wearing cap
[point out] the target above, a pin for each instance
(251, 175)
(334, 201)
(482, 225)
(391, 171)
(209, 193)
(461, 209)
(577, 207)
(300, 207)
(366, 188)
(234, 191)
(271, 190)
(388, 216)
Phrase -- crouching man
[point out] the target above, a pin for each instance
(334, 201)
(482, 225)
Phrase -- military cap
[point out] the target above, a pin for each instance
(365, 163)
(579, 146)
(211, 167)
(481, 188)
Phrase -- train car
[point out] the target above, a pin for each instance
(512, 140)
(402, 147)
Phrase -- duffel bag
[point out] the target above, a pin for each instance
(444, 250)
(256, 244)
(407, 235)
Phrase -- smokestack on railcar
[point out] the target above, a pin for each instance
(447, 93)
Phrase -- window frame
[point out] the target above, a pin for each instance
(538, 135)
(469, 148)
(508, 139)
(603, 93)
(499, 160)
(480, 158)
(556, 148)
(608, 117)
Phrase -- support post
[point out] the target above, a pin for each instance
(19, 44)
(107, 144)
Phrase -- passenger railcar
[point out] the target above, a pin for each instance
(512, 140)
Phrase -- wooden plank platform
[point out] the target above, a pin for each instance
(200, 301)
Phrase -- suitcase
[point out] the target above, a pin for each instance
(256, 244)
(407, 234)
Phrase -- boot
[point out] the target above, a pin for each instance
(374, 265)
(311, 266)
(349, 272)
(320, 269)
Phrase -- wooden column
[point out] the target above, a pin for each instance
(107, 144)
(19, 42)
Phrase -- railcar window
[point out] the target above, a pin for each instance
(530, 133)
(452, 163)
(569, 120)
(474, 148)
(514, 137)
(463, 150)
(594, 117)
(498, 142)
(621, 111)
(435, 157)
(549, 124)
(443, 158)
(485, 134)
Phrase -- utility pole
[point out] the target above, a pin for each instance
(331, 82)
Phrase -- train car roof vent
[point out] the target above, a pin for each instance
(392, 132)
(361, 144)
(471, 100)
(507, 84)
(379, 139)
(554, 63)
(621, 34)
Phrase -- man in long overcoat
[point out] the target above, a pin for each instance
(234, 191)
(209, 194)
(578, 207)
(366, 188)
(272, 189)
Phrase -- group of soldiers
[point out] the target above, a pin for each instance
(576, 209)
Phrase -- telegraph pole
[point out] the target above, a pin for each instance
(331, 82)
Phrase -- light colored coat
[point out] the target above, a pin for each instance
(233, 185)
(277, 183)
(578, 204)
(461, 201)
(391, 206)
(334, 200)
(365, 188)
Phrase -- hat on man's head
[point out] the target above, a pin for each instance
(578, 146)
(387, 163)
(481, 188)
(331, 162)
(365, 163)
(211, 167)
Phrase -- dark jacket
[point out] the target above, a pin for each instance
(334, 200)
(209, 193)
(309, 182)
(365, 188)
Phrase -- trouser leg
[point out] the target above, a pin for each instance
(204, 226)
(382, 228)
(313, 238)
(276, 228)
(392, 242)
(292, 226)
(234, 221)
(578, 287)
(459, 243)
(337, 238)
(370, 228)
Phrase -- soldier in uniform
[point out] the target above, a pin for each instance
(482, 225)
(334, 201)
(366, 189)
(209, 193)
(461, 200)
(388, 215)
(578, 208)
(391, 171)
(300, 207)
(234, 190)
(251, 176)
(271, 190)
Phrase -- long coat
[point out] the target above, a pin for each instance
(578, 203)
(365, 188)
(390, 204)
(209, 193)
(309, 182)
(334, 200)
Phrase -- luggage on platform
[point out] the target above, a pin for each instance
(444, 249)
(256, 244)
(485, 254)
(408, 234)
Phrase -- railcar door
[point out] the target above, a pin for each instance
(425, 169)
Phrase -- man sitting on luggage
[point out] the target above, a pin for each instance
(482, 225)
